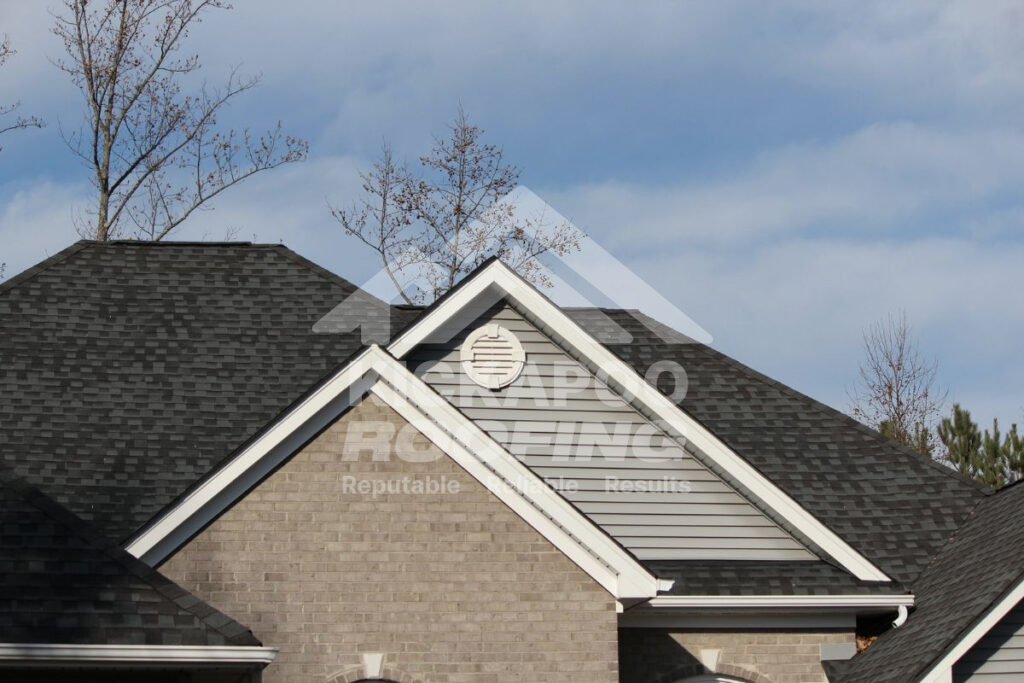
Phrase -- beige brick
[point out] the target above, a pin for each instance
(451, 587)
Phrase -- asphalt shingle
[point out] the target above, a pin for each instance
(982, 561)
(62, 582)
(129, 371)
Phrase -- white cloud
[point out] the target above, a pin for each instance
(867, 182)
(36, 222)
(795, 309)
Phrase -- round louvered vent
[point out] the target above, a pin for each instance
(492, 357)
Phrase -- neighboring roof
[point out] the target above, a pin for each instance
(972, 573)
(61, 582)
(892, 505)
(732, 577)
(130, 370)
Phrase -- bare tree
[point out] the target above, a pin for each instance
(446, 221)
(20, 122)
(897, 392)
(156, 154)
(382, 218)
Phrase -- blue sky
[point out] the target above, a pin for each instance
(785, 173)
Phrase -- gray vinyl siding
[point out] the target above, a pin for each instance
(598, 450)
(999, 656)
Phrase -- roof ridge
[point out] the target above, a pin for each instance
(328, 275)
(45, 264)
(115, 553)
(952, 537)
(179, 243)
(991, 498)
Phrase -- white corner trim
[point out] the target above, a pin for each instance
(137, 653)
(546, 510)
(942, 670)
(782, 601)
(709, 658)
(498, 275)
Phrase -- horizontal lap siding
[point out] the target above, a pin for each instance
(573, 431)
(999, 656)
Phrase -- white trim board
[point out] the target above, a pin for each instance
(942, 670)
(782, 601)
(496, 277)
(374, 370)
(215, 654)
(176, 524)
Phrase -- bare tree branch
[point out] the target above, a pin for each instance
(20, 122)
(155, 152)
(445, 223)
(897, 392)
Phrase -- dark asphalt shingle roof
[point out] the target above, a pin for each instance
(895, 507)
(129, 371)
(61, 582)
(979, 565)
(734, 577)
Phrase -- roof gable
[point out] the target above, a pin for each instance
(607, 459)
(494, 280)
(379, 373)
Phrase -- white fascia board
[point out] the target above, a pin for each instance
(632, 384)
(516, 484)
(539, 505)
(942, 670)
(10, 652)
(163, 536)
(782, 601)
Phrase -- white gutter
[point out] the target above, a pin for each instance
(782, 601)
(212, 654)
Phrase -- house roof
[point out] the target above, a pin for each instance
(972, 573)
(131, 370)
(62, 582)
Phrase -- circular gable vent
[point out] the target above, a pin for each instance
(492, 356)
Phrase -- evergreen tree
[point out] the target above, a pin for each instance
(962, 439)
(986, 457)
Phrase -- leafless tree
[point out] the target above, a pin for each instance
(445, 221)
(897, 392)
(19, 122)
(156, 153)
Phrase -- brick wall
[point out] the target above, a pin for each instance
(650, 655)
(451, 587)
